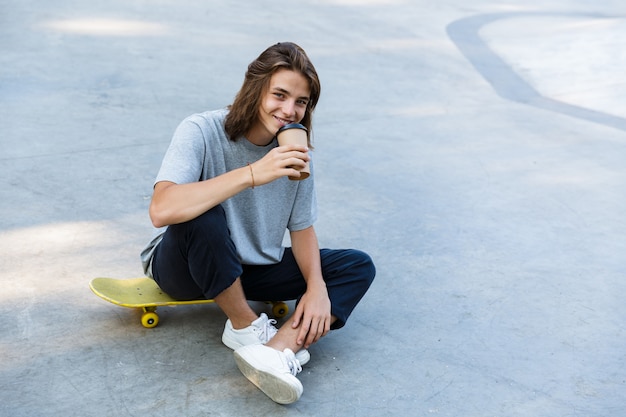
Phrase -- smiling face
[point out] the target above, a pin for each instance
(284, 101)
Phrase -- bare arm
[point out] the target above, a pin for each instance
(313, 313)
(177, 203)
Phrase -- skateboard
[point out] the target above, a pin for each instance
(143, 293)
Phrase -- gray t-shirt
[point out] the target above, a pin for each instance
(257, 218)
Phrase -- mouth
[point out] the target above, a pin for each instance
(282, 122)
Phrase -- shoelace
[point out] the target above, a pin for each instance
(267, 330)
(294, 364)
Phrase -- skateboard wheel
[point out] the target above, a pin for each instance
(280, 310)
(149, 319)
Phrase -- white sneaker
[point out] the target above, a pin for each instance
(259, 332)
(272, 371)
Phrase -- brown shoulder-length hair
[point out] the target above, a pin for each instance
(245, 109)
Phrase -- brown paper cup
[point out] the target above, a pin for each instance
(290, 134)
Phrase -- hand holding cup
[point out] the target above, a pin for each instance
(294, 134)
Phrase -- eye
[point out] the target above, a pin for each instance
(279, 95)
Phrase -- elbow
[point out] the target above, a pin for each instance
(161, 213)
(157, 217)
(157, 223)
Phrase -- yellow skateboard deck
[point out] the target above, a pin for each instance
(145, 294)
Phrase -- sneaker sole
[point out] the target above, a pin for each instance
(281, 391)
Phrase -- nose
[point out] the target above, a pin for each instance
(289, 108)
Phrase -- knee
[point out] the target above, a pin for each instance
(210, 226)
(213, 220)
(212, 216)
(364, 265)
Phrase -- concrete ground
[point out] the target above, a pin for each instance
(475, 149)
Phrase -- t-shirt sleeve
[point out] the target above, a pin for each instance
(184, 159)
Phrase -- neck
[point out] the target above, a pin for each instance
(259, 138)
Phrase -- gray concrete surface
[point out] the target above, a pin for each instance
(476, 149)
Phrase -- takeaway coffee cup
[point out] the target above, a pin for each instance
(294, 133)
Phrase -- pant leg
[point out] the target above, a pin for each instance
(197, 259)
(348, 274)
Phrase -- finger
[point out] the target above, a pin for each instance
(297, 317)
(293, 147)
(295, 158)
(315, 334)
(302, 334)
(310, 339)
(294, 162)
(299, 152)
(327, 328)
(297, 164)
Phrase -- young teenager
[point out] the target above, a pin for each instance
(224, 194)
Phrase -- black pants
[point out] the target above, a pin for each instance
(198, 259)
